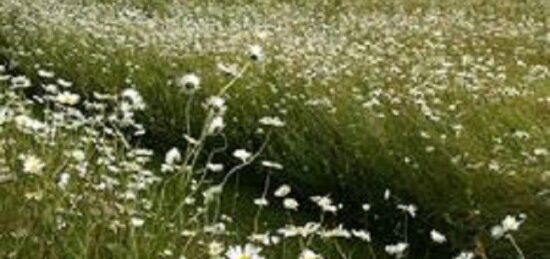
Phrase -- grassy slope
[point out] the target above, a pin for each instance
(346, 145)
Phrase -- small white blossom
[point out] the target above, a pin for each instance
(437, 237)
(215, 249)
(137, 222)
(290, 204)
(271, 164)
(410, 209)
(216, 125)
(361, 234)
(32, 164)
(172, 157)
(189, 83)
(396, 250)
(465, 255)
(249, 251)
(261, 202)
(282, 191)
(325, 203)
(19, 82)
(242, 154)
(63, 180)
(309, 254)
(255, 52)
(45, 74)
(216, 168)
(272, 121)
(67, 98)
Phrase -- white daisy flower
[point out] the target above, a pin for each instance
(20, 82)
(189, 83)
(249, 251)
(396, 250)
(214, 167)
(271, 164)
(32, 164)
(290, 204)
(255, 52)
(46, 74)
(216, 125)
(282, 191)
(215, 249)
(465, 255)
(272, 121)
(437, 237)
(261, 202)
(309, 254)
(67, 98)
(242, 154)
(137, 222)
(172, 157)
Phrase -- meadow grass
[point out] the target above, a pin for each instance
(444, 104)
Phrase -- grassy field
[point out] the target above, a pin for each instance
(147, 128)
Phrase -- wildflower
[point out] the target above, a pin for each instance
(189, 83)
(249, 251)
(438, 237)
(264, 239)
(45, 74)
(32, 164)
(211, 193)
(78, 155)
(242, 154)
(508, 224)
(410, 209)
(255, 52)
(336, 232)
(270, 164)
(216, 125)
(67, 98)
(308, 254)
(396, 250)
(497, 231)
(167, 253)
(63, 180)
(261, 202)
(230, 70)
(137, 222)
(291, 230)
(215, 249)
(136, 101)
(366, 207)
(361, 234)
(541, 152)
(172, 157)
(465, 255)
(272, 121)
(325, 203)
(214, 167)
(387, 194)
(35, 196)
(217, 104)
(282, 191)
(290, 204)
(64, 83)
(20, 82)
